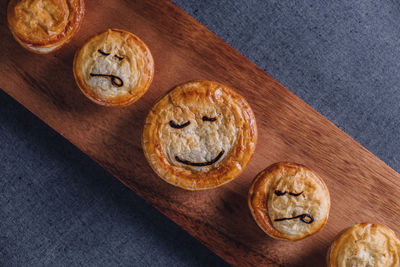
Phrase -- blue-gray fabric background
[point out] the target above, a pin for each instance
(58, 208)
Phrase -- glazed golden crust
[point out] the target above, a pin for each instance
(114, 68)
(287, 190)
(363, 245)
(43, 26)
(215, 141)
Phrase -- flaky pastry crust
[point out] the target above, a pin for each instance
(201, 135)
(43, 26)
(289, 201)
(114, 68)
(364, 245)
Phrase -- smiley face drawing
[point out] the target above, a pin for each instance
(289, 201)
(114, 68)
(200, 135)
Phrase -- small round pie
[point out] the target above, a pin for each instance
(202, 134)
(114, 68)
(42, 26)
(289, 201)
(365, 244)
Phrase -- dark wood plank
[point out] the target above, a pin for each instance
(362, 187)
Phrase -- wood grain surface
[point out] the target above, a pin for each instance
(362, 187)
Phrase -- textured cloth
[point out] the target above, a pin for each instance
(58, 208)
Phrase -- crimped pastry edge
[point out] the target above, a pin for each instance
(120, 101)
(49, 47)
(252, 140)
(261, 217)
(333, 249)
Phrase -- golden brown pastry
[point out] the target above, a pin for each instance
(201, 135)
(114, 68)
(289, 201)
(365, 245)
(43, 26)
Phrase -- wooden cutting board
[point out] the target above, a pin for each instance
(362, 187)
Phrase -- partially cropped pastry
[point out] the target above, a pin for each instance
(114, 68)
(43, 26)
(365, 244)
(201, 135)
(289, 201)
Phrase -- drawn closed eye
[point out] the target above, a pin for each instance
(205, 118)
(119, 58)
(107, 54)
(280, 193)
(103, 53)
(178, 126)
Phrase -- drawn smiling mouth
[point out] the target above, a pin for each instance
(200, 164)
(115, 80)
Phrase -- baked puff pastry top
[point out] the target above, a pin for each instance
(114, 68)
(201, 135)
(289, 201)
(365, 245)
(42, 26)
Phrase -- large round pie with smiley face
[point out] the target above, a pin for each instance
(289, 201)
(43, 26)
(365, 244)
(114, 68)
(201, 135)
